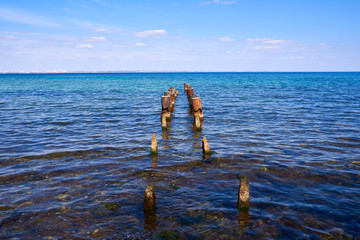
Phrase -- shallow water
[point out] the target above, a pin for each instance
(75, 156)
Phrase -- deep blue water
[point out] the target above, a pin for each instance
(73, 145)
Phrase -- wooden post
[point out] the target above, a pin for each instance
(185, 87)
(197, 122)
(205, 146)
(197, 108)
(149, 198)
(165, 102)
(149, 208)
(163, 121)
(190, 92)
(154, 147)
(244, 194)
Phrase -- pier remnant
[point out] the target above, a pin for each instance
(149, 208)
(165, 105)
(197, 123)
(168, 105)
(197, 108)
(244, 194)
(163, 121)
(149, 198)
(205, 146)
(190, 92)
(154, 147)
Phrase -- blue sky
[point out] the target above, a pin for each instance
(204, 35)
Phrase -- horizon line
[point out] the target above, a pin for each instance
(154, 71)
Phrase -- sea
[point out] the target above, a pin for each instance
(75, 156)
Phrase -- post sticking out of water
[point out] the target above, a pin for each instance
(163, 121)
(190, 92)
(165, 105)
(185, 87)
(205, 146)
(244, 194)
(154, 147)
(197, 108)
(197, 122)
(149, 198)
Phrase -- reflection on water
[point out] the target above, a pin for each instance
(244, 218)
(150, 220)
(75, 161)
(154, 159)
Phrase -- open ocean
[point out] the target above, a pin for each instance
(75, 156)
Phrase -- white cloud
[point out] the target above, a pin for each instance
(324, 46)
(103, 30)
(19, 16)
(227, 39)
(94, 39)
(258, 48)
(140, 44)
(150, 33)
(266, 41)
(84, 46)
(218, 2)
(9, 37)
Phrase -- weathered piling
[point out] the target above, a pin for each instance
(172, 97)
(154, 147)
(165, 105)
(190, 92)
(149, 198)
(149, 208)
(163, 121)
(244, 194)
(205, 146)
(197, 108)
(197, 122)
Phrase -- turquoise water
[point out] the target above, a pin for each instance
(75, 156)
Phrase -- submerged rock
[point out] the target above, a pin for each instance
(112, 206)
